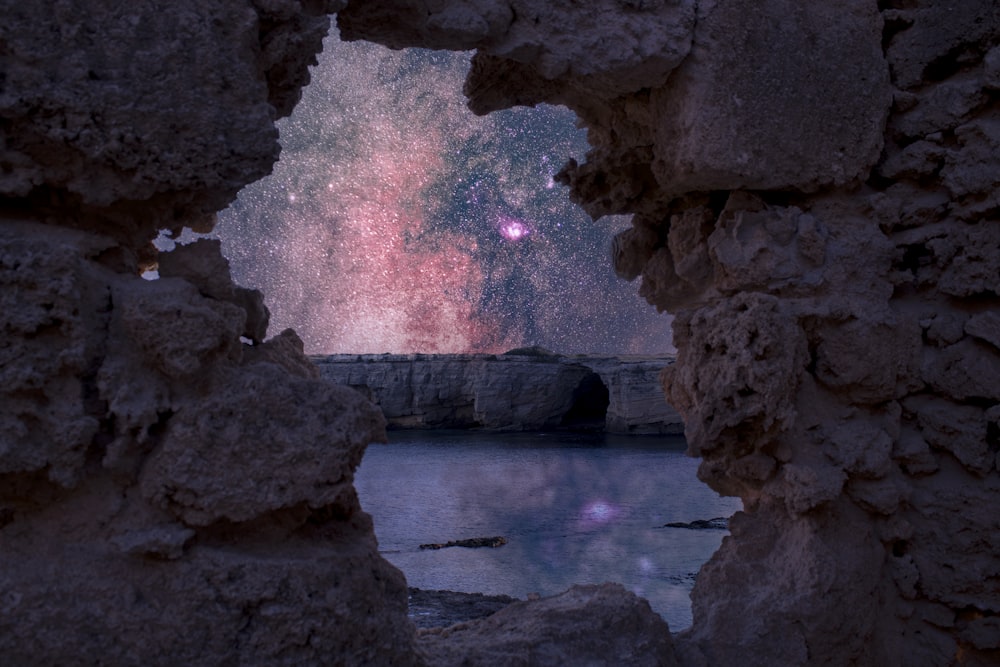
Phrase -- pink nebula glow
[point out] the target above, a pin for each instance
(513, 229)
(397, 221)
(358, 268)
(386, 288)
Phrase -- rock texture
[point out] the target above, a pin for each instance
(815, 191)
(586, 625)
(169, 494)
(127, 120)
(174, 489)
(511, 392)
(814, 196)
(438, 609)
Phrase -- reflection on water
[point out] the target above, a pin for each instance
(575, 510)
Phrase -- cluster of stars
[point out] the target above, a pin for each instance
(397, 221)
(513, 229)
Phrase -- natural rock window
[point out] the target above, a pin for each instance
(814, 193)
(590, 405)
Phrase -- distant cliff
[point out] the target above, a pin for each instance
(518, 391)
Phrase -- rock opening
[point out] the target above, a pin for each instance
(589, 408)
(837, 347)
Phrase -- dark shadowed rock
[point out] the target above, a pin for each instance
(438, 609)
(718, 523)
(814, 188)
(471, 543)
(586, 625)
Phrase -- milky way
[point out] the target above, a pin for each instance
(397, 221)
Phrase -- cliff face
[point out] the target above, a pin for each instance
(815, 196)
(510, 392)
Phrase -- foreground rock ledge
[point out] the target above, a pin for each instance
(586, 625)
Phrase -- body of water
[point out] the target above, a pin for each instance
(575, 509)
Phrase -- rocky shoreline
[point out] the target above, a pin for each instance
(718, 523)
(440, 609)
(443, 608)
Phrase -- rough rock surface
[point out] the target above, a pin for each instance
(169, 494)
(154, 475)
(814, 190)
(438, 609)
(586, 625)
(510, 392)
(104, 128)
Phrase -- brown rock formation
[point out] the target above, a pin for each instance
(815, 189)
(167, 497)
(815, 198)
(168, 494)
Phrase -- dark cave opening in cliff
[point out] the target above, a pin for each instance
(589, 408)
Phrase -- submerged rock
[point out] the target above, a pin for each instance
(472, 543)
(718, 523)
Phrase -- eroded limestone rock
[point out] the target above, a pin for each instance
(815, 193)
(174, 489)
(511, 392)
(182, 502)
(127, 118)
(610, 47)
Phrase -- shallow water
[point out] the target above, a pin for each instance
(575, 509)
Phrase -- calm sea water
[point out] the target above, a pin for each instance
(576, 509)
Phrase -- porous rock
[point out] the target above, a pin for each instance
(304, 453)
(179, 486)
(100, 113)
(814, 198)
(814, 192)
(610, 46)
(174, 488)
(715, 117)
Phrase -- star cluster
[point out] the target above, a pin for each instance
(398, 221)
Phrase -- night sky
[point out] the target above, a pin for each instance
(398, 221)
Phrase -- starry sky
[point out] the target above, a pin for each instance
(398, 221)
